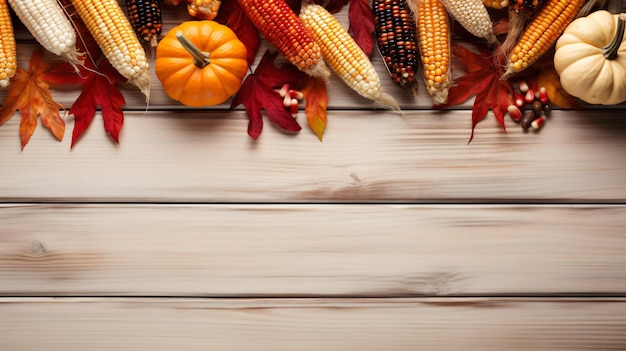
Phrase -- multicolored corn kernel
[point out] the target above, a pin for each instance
(396, 36)
(203, 9)
(277, 22)
(145, 17)
(525, 6)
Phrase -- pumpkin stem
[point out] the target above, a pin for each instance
(200, 58)
(610, 51)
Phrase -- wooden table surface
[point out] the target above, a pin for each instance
(391, 234)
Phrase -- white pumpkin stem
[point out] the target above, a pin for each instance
(200, 58)
(610, 51)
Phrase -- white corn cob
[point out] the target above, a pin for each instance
(473, 16)
(109, 26)
(344, 55)
(47, 22)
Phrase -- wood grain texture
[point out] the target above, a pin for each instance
(365, 156)
(311, 250)
(311, 324)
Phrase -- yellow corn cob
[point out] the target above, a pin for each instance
(47, 22)
(8, 52)
(344, 55)
(282, 28)
(541, 33)
(433, 30)
(496, 4)
(107, 23)
(473, 16)
(203, 9)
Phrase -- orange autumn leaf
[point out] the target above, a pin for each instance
(314, 92)
(549, 79)
(30, 94)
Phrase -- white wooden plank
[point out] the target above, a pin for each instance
(365, 156)
(329, 324)
(296, 250)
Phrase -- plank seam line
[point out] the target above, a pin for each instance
(599, 296)
(547, 203)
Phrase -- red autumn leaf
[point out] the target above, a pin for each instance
(257, 93)
(98, 79)
(316, 97)
(361, 27)
(98, 89)
(231, 15)
(483, 80)
(275, 77)
(30, 94)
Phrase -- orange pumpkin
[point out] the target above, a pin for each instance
(201, 63)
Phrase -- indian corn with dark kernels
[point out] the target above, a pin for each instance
(396, 37)
(145, 17)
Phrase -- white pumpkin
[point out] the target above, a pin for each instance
(590, 58)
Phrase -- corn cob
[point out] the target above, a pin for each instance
(203, 9)
(397, 40)
(107, 23)
(473, 16)
(525, 6)
(433, 31)
(344, 55)
(541, 33)
(47, 22)
(495, 4)
(8, 51)
(145, 17)
(282, 28)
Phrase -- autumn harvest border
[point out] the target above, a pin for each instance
(278, 87)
